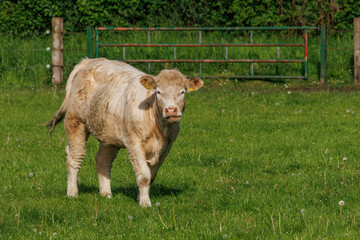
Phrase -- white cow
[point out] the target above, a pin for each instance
(121, 107)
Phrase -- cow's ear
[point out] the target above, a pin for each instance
(148, 82)
(194, 84)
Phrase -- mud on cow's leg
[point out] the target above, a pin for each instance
(77, 135)
(104, 159)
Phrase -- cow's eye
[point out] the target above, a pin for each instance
(158, 92)
(182, 92)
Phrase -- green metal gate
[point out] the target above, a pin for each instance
(304, 44)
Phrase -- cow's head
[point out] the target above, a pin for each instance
(170, 87)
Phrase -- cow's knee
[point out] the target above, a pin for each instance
(143, 180)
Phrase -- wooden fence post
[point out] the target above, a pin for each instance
(357, 50)
(57, 54)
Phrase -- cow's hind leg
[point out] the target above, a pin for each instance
(104, 159)
(77, 135)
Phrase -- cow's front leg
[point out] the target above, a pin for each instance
(142, 173)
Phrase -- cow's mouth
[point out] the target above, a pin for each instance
(174, 119)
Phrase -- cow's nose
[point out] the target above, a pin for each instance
(171, 112)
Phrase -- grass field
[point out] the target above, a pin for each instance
(253, 160)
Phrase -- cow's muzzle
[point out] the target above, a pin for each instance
(172, 114)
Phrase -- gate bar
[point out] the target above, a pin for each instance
(202, 28)
(252, 64)
(148, 43)
(96, 43)
(88, 42)
(251, 77)
(215, 60)
(306, 54)
(323, 55)
(203, 45)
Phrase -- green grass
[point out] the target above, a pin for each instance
(21, 67)
(249, 159)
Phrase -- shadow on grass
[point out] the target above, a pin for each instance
(260, 80)
(131, 191)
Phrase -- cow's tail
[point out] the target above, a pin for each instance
(60, 114)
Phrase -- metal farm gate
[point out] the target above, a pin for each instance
(199, 44)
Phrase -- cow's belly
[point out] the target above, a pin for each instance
(101, 123)
(109, 137)
(105, 128)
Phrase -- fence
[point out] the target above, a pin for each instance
(17, 58)
(26, 59)
(57, 62)
(24, 55)
(200, 44)
(327, 65)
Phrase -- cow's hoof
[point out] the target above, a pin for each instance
(73, 195)
(145, 202)
(107, 195)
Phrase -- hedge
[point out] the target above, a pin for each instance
(25, 16)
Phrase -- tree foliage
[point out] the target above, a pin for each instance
(35, 15)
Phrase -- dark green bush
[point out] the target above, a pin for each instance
(25, 16)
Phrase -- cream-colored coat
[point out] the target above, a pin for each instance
(121, 107)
